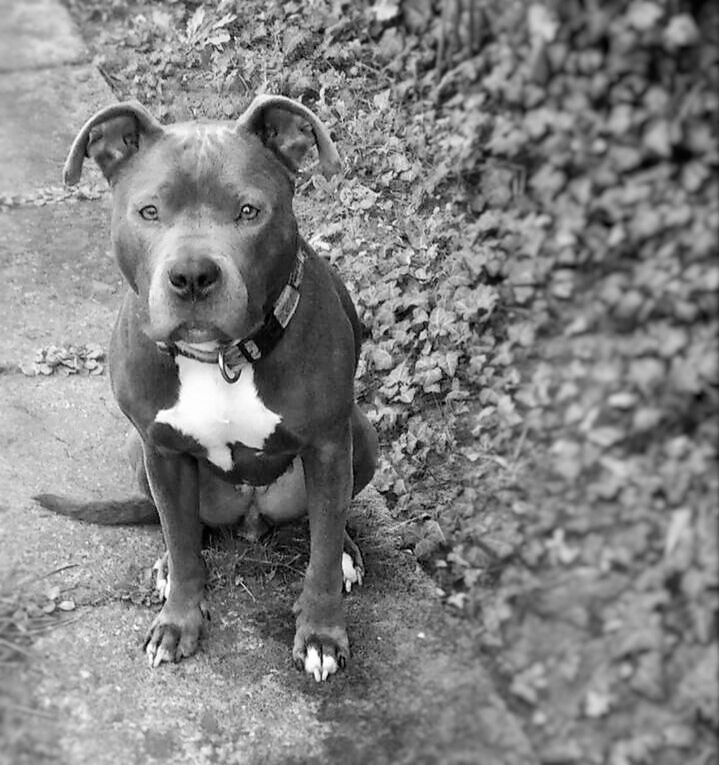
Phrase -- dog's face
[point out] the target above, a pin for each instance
(201, 210)
(200, 230)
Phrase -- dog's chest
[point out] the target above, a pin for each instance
(218, 414)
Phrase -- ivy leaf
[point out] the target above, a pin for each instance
(385, 10)
(381, 358)
(195, 22)
(481, 300)
(441, 322)
(381, 99)
(643, 15)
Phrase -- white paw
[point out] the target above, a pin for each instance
(162, 577)
(319, 665)
(156, 655)
(350, 573)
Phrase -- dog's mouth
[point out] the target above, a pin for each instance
(198, 333)
(204, 334)
(193, 333)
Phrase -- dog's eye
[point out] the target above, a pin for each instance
(149, 212)
(248, 212)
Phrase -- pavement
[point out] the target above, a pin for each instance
(416, 690)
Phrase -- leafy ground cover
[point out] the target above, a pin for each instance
(528, 227)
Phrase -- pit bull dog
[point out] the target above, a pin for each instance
(233, 356)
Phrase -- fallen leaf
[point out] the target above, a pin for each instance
(597, 704)
(606, 436)
(680, 32)
(622, 400)
(385, 10)
(541, 23)
(458, 600)
(644, 15)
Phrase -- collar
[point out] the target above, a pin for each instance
(232, 356)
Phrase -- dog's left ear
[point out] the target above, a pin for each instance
(289, 129)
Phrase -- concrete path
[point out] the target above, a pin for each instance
(415, 691)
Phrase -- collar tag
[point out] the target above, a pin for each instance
(250, 350)
(231, 372)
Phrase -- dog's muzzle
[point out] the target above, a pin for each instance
(232, 356)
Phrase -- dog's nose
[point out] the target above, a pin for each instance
(194, 278)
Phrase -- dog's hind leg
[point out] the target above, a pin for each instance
(162, 576)
(352, 564)
(365, 450)
(133, 450)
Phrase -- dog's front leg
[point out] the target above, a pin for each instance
(176, 630)
(321, 644)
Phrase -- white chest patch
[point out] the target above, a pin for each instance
(216, 413)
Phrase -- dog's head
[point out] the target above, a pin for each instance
(202, 225)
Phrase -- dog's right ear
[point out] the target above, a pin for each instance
(110, 137)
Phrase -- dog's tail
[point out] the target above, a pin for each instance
(128, 512)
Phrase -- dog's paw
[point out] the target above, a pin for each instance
(162, 577)
(321, 646)
(175, 635)
(320, 658)
(352, 572)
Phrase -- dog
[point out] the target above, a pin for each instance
(233, 356)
